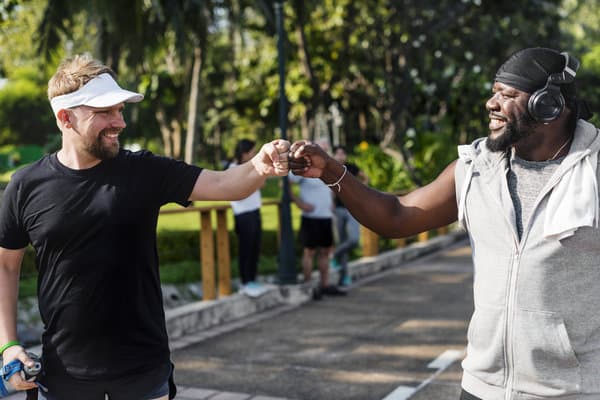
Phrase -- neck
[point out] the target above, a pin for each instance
(547, 142)
(70, 158)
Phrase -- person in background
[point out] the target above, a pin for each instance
(248, 226)
(347, 227)
(316, 230)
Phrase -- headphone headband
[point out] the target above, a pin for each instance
(546, 104)
(567, 75)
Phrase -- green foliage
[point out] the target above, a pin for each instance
(384, 172)
(12, 156)
(20, 99)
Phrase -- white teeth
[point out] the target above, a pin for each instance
(496, 123)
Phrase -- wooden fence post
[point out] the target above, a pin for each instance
(223, 256)
(423, 236)
(370, 241)
(207, 254)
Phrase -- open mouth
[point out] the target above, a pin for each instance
(496, 122)
(110, 136)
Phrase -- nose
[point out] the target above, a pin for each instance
(492, 103)
(118, 121)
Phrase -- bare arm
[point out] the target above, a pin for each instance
(10, 268)
(240, 182)
(430, 206)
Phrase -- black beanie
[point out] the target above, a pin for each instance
(528, 70)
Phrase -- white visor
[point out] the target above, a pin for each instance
(102, 91)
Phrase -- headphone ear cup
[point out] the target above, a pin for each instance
(546, 106)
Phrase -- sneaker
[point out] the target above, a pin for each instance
(346, 281)
(317, 293)
(334, 264)
(332, 290)
(254, 289)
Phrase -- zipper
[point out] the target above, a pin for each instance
(514, 272)
(510, 318)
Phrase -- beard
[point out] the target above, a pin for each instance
(513, 132)
(100, 150)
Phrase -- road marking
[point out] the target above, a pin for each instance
(400, 393)
(441, 363)
(445, 359)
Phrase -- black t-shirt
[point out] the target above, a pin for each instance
(354, 170)
(94, 233)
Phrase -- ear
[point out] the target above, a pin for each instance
(64, 117)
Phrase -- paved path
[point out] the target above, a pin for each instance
(398, 335)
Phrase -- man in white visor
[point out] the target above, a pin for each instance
(90, 212)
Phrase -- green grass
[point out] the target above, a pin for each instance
(190, 271)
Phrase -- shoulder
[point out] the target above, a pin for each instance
(468, 152)
(33, 171)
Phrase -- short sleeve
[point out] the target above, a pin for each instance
(294, 178)
(174, 180)
(12, 232)
(171, 180)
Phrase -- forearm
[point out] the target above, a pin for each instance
(232, 184)
(381, 212)
(9, 284)
(425, 208)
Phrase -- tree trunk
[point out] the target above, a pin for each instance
(164, 131)
(190, 138)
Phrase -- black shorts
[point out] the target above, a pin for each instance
(316, 232)
(146, 386)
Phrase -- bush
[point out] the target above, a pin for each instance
(21, 99)
(179, 246)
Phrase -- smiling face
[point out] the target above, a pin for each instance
(97, 130)
(509, 119)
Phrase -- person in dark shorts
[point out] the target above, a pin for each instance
(90, 212)
(316, 231)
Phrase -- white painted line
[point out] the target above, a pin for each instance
(400, 393)
(442, 362)
(445, 359)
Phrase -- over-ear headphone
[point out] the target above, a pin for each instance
(547, 103)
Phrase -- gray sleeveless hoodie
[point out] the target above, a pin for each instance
(535, 330)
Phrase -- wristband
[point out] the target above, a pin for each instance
(9, 344)
(337, 183)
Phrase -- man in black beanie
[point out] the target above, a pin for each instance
(527, 194)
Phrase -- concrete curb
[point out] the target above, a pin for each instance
(201, 315)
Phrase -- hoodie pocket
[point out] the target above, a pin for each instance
(485, 350)
(545, 362)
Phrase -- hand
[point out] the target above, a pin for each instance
(272, 159)
(306, 207)
(307, 159)
(18, 353)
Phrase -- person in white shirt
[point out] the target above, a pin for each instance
(316, 230)
(248, 227)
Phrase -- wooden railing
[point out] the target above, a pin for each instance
(219, 267)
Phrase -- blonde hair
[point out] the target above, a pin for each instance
(74, 72)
